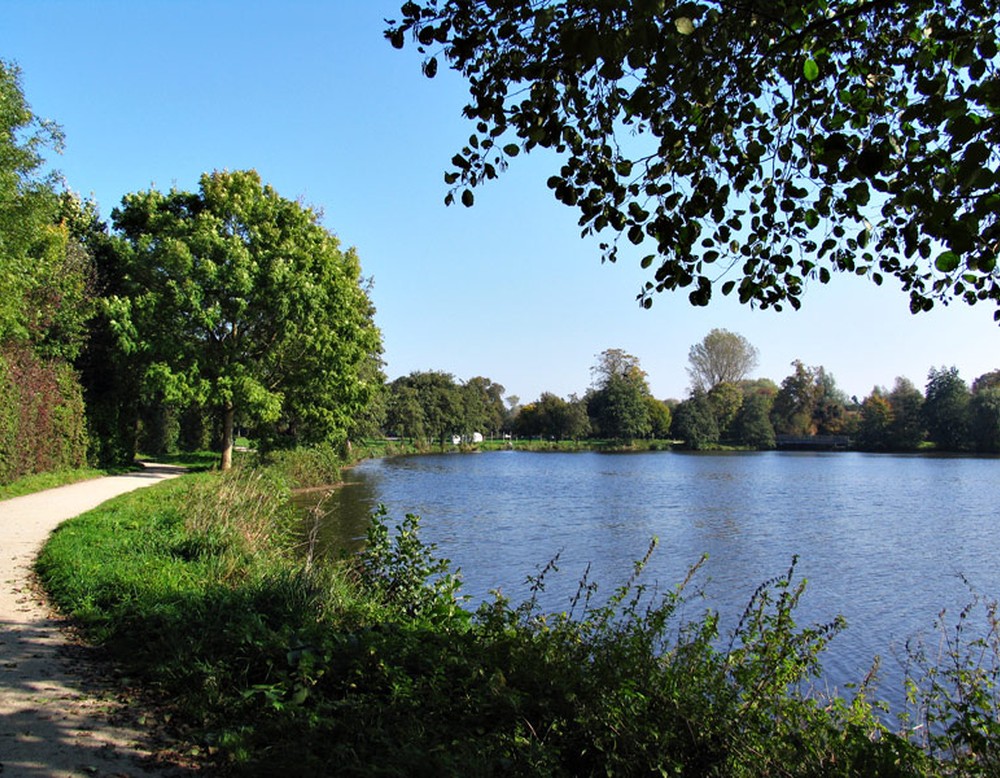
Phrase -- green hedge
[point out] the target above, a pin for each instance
(42, 422)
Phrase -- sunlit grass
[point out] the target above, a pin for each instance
(42, 481)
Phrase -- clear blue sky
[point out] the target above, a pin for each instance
(151, 92)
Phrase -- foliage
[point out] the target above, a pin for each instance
(111, 376)
(660, 418)
(484, 409)
(240, 301)
(752, 426)
(721, 357)
(694, 423)
(946, 409)
(45, 274)
(876, 421)
(792, 413)
(953, 690)
(809, 403)
(618, 405)
(906, 430)
(42, 425)
(426, 404)
(619, 409)
(726, 399)
(772, 143)
(984, 414)
(553, 418)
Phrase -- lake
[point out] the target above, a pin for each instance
(887, 541)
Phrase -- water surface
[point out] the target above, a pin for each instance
(886, 541)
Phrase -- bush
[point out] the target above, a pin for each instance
(42, 426)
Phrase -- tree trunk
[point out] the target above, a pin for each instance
(228, 416)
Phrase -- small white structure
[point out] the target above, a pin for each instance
(456, 439)
(477, 437)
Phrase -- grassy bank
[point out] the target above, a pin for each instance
(371, 666)
(42, 481)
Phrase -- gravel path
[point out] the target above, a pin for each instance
(59, 715)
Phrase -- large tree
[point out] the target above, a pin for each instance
(753, 146)
(721, 357)
(238, 299)
(906, 431)
(617, 406)
(44, 271)
(946, 409)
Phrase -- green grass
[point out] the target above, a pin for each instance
(42, 481)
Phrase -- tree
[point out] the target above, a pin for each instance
(484, 406)
(726, 399)
(552, 417)
(440, 400)
(809, 403)
(946, 409)
(238, 299)
(722, 357)
(906, 430)
(876, 422)
(404, 415)
(45, 273)
(618, 406)
(752, 426)
(829, 412)
(986, 381)
(660, 418)
(792, 412)
(773, 143)
(984, 412)
(694, 422)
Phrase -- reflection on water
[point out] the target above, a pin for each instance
(343, 514)
(881, 539)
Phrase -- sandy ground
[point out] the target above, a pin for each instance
(60, 713)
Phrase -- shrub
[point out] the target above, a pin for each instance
(42, 425)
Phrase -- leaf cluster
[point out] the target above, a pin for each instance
(753, 147)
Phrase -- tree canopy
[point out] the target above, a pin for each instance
(754, 147)
(239, 300)
(721, 357)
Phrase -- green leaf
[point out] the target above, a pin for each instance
(684, 25)
(468, 198)
(810, 70)
(947, 262)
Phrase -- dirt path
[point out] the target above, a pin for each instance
(58, 716)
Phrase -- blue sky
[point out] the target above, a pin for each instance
(154, 93)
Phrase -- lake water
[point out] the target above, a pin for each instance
(883, 540)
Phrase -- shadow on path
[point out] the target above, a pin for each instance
(61, 715)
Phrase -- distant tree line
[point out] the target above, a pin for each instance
(724, 408)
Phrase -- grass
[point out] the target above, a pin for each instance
(371, 666)
(42, 481)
